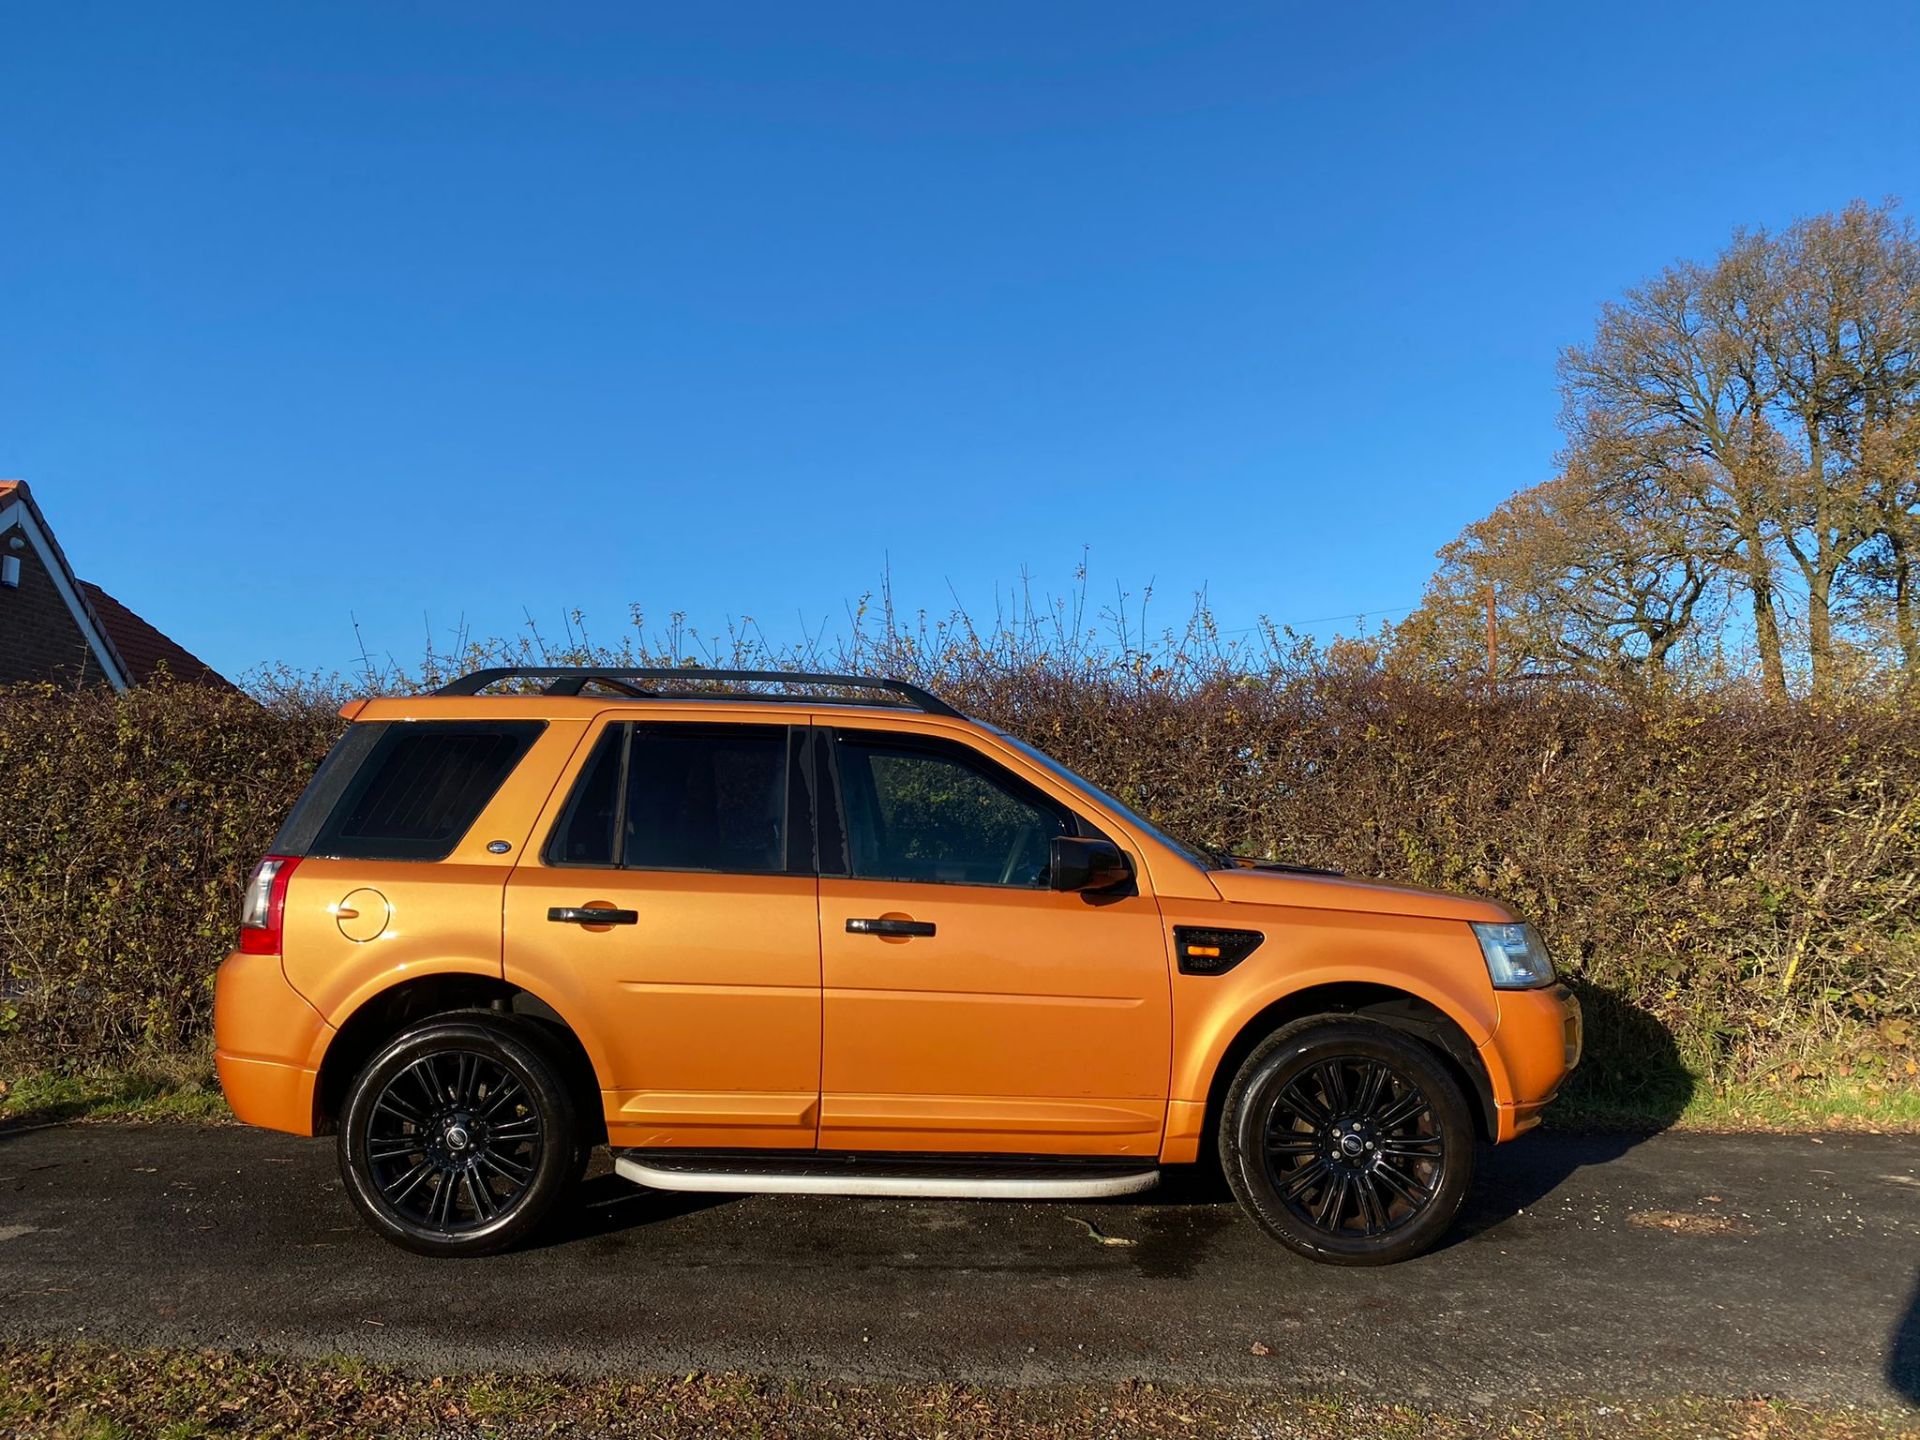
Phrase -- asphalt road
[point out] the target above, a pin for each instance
(1780, 1266)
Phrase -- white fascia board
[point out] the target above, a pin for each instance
(19, 514)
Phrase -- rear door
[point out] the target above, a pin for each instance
(967, 1006)
(673, 909)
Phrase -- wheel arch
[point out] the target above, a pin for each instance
(1411, 1014)
(381, 1016)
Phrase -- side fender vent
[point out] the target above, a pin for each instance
(1204, 951)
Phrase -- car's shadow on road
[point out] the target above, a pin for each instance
(1631, 1059)
(605, 1204)
(1192, 1203)
(1167, 1232)
(1632, 1072)
(1903, 1350)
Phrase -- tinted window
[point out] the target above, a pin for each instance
(935, 811)
(585, 834)
(420, 787)
(707, 797)
(697, 797)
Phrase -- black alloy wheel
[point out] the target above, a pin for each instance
(459, 1136)
(1349, 1141)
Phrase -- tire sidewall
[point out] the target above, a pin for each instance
(520, 1052)
(1249, 1101)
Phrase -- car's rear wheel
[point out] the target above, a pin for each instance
(458, 1137)
(1348, 1141)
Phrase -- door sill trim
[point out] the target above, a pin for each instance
(923, 1184)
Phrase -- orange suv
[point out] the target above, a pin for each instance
(762, 940)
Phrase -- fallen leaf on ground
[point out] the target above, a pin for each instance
(1682, 1222)
(1099, 1236)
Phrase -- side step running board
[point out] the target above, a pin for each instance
(1064, 1183)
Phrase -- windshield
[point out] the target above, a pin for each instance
(1120, 808)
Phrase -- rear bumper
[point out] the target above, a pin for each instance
(267, 1044)
(1531, 1052)
(267, 1094)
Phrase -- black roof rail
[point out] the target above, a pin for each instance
(572, 679)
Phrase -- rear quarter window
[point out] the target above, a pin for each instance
(408, 792)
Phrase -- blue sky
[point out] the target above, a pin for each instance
(447, 311)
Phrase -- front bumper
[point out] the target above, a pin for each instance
(1532, 1050)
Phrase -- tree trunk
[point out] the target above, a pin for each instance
(1905, 627)
(1766, 620)
(1820, 635)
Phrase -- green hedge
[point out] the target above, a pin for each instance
(1732, 886)
(127, 826)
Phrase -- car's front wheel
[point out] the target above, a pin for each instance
(1348, 1140)
(458, 1137)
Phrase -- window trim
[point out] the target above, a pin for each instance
(798, 859)
(564, 816)
(988, 764)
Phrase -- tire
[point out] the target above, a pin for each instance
(1348, 1141)
(459, 1137)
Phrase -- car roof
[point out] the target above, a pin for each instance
(565, 690)
(784, 710)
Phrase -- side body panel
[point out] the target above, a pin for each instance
(357, 927)
(702, 1018)
(705, 1013)
(1434, 960)
(1030, 1022)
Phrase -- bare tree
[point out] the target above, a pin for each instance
(1749, 425)
(1676, 382)
(1841, 336)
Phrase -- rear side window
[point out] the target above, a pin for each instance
(688, 797)
(415, 790)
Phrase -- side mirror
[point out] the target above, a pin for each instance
(1088, 865)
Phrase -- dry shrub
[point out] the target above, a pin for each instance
(1731, 884)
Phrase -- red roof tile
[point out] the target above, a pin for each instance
(144, 649)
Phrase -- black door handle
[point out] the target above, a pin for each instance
(889, 927)
(588, 915)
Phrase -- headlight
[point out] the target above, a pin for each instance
(1516, 956)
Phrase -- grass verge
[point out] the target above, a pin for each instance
(71, 1390)
(183, 1089)
(186, 1089)
(1823, 1103)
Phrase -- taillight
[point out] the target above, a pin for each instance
(263, 905)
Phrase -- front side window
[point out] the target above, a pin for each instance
(418, 788)
(681, 797)
(934, 811)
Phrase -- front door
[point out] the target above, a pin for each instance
(674, 912)
(967, 1007)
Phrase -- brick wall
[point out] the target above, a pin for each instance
(39, 638)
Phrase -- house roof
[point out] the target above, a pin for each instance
(144, 650)
(132, 649)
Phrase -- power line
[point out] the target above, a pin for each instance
(1323, 619)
